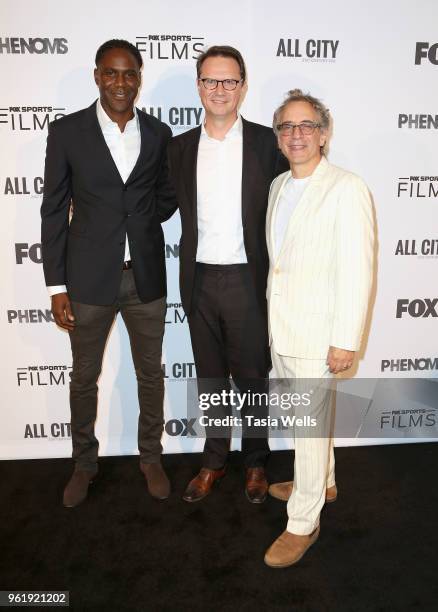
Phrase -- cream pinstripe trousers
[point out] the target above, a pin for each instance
(314, 467)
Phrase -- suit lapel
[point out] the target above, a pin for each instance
(272, 211)
(96, 144)
(148, 139)
(250, 164)
(309, 198)
(101, 152)
(189, 170)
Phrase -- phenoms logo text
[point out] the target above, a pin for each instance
(38, 45)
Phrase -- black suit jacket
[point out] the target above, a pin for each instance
(87, 254)
(261, 163)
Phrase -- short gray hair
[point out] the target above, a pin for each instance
(296, 95)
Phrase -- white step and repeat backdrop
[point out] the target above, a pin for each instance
(375, 64)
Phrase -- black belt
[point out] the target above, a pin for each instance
(221, 267)
(127, 265)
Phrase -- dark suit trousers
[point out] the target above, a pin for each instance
(145, 325)
(229, 337)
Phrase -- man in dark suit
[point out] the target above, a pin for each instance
(106, 167)
(221, 172)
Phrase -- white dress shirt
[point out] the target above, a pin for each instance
(219, 197)
(125, 149)
(290, 196)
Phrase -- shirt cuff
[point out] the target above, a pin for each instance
(56, 289)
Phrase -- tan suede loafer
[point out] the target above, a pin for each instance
(289, 548)
(283, 490)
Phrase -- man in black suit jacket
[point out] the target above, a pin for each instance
(106, 168)
(222, 172)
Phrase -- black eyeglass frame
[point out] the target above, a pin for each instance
(310, 126)
(217, 81)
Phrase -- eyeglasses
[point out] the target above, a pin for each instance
(227, 84)
(306, 128)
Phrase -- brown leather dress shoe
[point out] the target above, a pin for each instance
(283, 490)
(202, 484)
(289, 548)
(157, 482)
(77, 487)
(256, 488)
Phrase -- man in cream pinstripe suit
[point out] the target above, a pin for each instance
(320, 239)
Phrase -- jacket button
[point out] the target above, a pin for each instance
(277, 270)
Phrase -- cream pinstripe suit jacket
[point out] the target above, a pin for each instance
(319, 285)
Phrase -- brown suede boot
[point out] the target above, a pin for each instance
(77, 487)
(157, 482)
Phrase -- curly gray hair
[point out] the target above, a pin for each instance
(296, 95)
